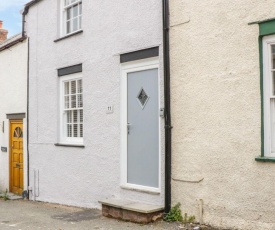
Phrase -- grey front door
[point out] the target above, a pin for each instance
(143, 128)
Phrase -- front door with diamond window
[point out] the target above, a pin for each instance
(143, 128)
(16, 151)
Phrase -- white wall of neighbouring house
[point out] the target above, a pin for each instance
(216, 113)
(83, 176)
(13, 88)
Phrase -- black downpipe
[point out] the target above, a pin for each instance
(28, 83)
(28, 86)
(168, 127)
(23, 25)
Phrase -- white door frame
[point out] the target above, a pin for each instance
(145, 64)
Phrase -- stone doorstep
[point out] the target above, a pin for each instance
(131, 211)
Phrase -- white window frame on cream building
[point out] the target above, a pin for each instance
(74, 8)
(269, 95)
(78, 94)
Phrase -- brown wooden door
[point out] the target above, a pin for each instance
(16, 157)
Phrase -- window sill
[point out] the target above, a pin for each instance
(265, 159)
(70, 145)
(69, 35)
(141, 189)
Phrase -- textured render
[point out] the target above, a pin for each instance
(216, 110)
(75, 176)
(13, 87)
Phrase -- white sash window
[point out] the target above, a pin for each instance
(72, 16)
(71, 109)
(269, 95)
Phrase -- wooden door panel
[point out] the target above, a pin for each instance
(17, 159)
(16, 177)
(21, 184)
(21, 158)
(15, 145)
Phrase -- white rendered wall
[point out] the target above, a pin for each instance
(76, 176)
(13, 88)
(216, 113)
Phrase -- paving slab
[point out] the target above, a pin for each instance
(29, 215)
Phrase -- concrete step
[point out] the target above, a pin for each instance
(131, 211)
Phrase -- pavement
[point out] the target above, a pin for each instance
(29, 215)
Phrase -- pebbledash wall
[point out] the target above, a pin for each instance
(216, 113)
(13, 78)
(83, 176)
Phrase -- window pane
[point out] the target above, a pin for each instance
(73, 87)
(81, 130)
(80, 8)
(80, 22)
(69, 131)
(68, 27)
(69, 116)
(73, 101)
(79, 86)
(67, 88)
(67, 102)
(75, 26)
(75, 11)
(79, 101)
(273, 84)
(75, 112)
(69, 13)
(75, 130)
(273, 56)
(272, 121)
(81, 116)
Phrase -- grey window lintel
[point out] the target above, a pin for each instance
(140, 54)
(69, 70)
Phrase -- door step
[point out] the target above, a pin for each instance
(131, 211)
(10, 196)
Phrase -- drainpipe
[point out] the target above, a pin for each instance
(28, 73)
(168, 127)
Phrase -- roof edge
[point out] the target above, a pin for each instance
(21, 39)
(28, 5)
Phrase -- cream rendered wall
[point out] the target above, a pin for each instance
(13, 88)
(216, 113)
(76, 176)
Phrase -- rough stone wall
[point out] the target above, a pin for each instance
(13, 88)
(76, 176)
(216, 113)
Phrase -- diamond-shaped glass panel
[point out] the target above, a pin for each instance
(142, 97)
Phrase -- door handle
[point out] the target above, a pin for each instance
(128, 127)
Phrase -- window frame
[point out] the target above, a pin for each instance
(63, 139)
(267, 43)
(64, 20)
